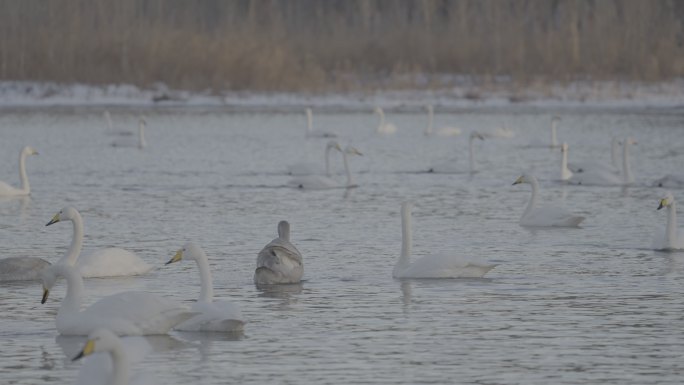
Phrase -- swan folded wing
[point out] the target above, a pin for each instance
(549, 216)
(112, 262)
(279, 262)
(446, 266)
(6, 189)
(218, 316)
(21, 268)
(303, 169)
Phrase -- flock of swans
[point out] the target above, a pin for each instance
(279, 262)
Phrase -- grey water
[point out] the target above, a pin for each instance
(564, 306)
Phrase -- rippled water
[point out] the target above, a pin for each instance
(573, 306)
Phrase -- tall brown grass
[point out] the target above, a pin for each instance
(338, 44)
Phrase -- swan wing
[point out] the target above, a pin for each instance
(220, 316)
(111, 262)
(21, 268)
(279, 262)
(551, 216)
(387, 128)
(303, 169)
(8, 190)
(446, 266)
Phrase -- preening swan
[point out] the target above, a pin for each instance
(432, 266)
(213, 316)
(310, 168)
(108, 262)
(545, 216)
(320, 182)
(25, 189)
(127, 313)
(444, 131)
(603, 177)
(279, 261)
(671, 238)
(134, 142)
(311, 133)
(383, 127)
(588, 166)
(451, 166)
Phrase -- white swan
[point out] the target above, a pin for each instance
(671, 238)
(588, 166)
(602, 177)
(311, 133)
(384, 127)
(279, 261)
(126, 313)
(21, 268)
(6, 189)
(310, 168)
(134, 142)
(670, 181)
(320, 182)
(565, 171)
(554, 136)
(443, 131)
(108, 262)
(451, 166)
(114, 369)
(432, 266)
(500, 132)
(546, 216)
(214, 316)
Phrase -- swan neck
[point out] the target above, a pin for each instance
(626, 170)
(554, 140)
(207, 290)
(71, 303)
(406, 241)
(120, 365)
(533, 199)
(671, 231)
(71, 256)
(565, 171)
(25, 187)
(345, 158)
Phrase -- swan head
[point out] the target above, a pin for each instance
(334, 145)
(189, 251)
(49, 277)
(28, 150)
(667, 201)
(524, 178)
(630, 140)
(352, 151)
(476, 135)
(66, 214)
(100, 340)
(284, 230)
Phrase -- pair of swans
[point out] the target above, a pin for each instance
(25, 189)
(545, 216)
(133, 142)
(311, 133)
(451, 166)
(213, 316)
(384, 128)
(443, 131)
(432, 266)
(554, 136)
(311, 168)
(320, 182)
(279, 262)
(599, 175)
(671, 238)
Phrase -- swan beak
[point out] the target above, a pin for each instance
(518, 181)
(87, 350)
(54, 220)
(46, 293)
(176, 258)
(662, 204)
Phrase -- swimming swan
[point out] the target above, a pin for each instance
(108, 262)
(602, 177)
(134, 142)
(310, 168)
(546, 216)
(672, 238)
(588, 166)
(444, 131)
(565, 171)
(6, 189)
(279, 261)
(451, 167)
(432, 266)
(311, 133)
(126, 313)
(383, 127)
(320, 182)
(213, 316)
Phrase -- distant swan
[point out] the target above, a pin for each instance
(383, 127)
(311, 133)
(108, 262)
(546, 216)
(320, 182)
(602, 177)
(311, 168)
(592, 166)
(565, 171)
(279, 261)
(443, 131)
(672, 238)
(126, 313)
(6, 189)
(554, 136)
(451, 166)
(432, 266)
(134, 142)
(213, 316)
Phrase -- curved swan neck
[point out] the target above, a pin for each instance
(626, 170)
(554, 139)
(533, 199)
(25, 187)
(406, 239)
(345, 158)
(428, 128)
(120, 365)
(615, 153)
(309, 120)
(671, 230)
(207, 291)
(71, 256)
(71, 303)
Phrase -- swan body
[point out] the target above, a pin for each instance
(384, 127)
(279, 261)
(108, 262)
(21, 268)
(309, 168)
(25, 189)
(213, 316)
(500, 132)
(451, 166)
(320, 182)
(671, 238)
(546, 216)
(670, 181)
(554, 136)
(443, 131)
(603, 177)
(126, 313)
(432, 266)
(589, 166)
(134, 142)
(311, 133)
